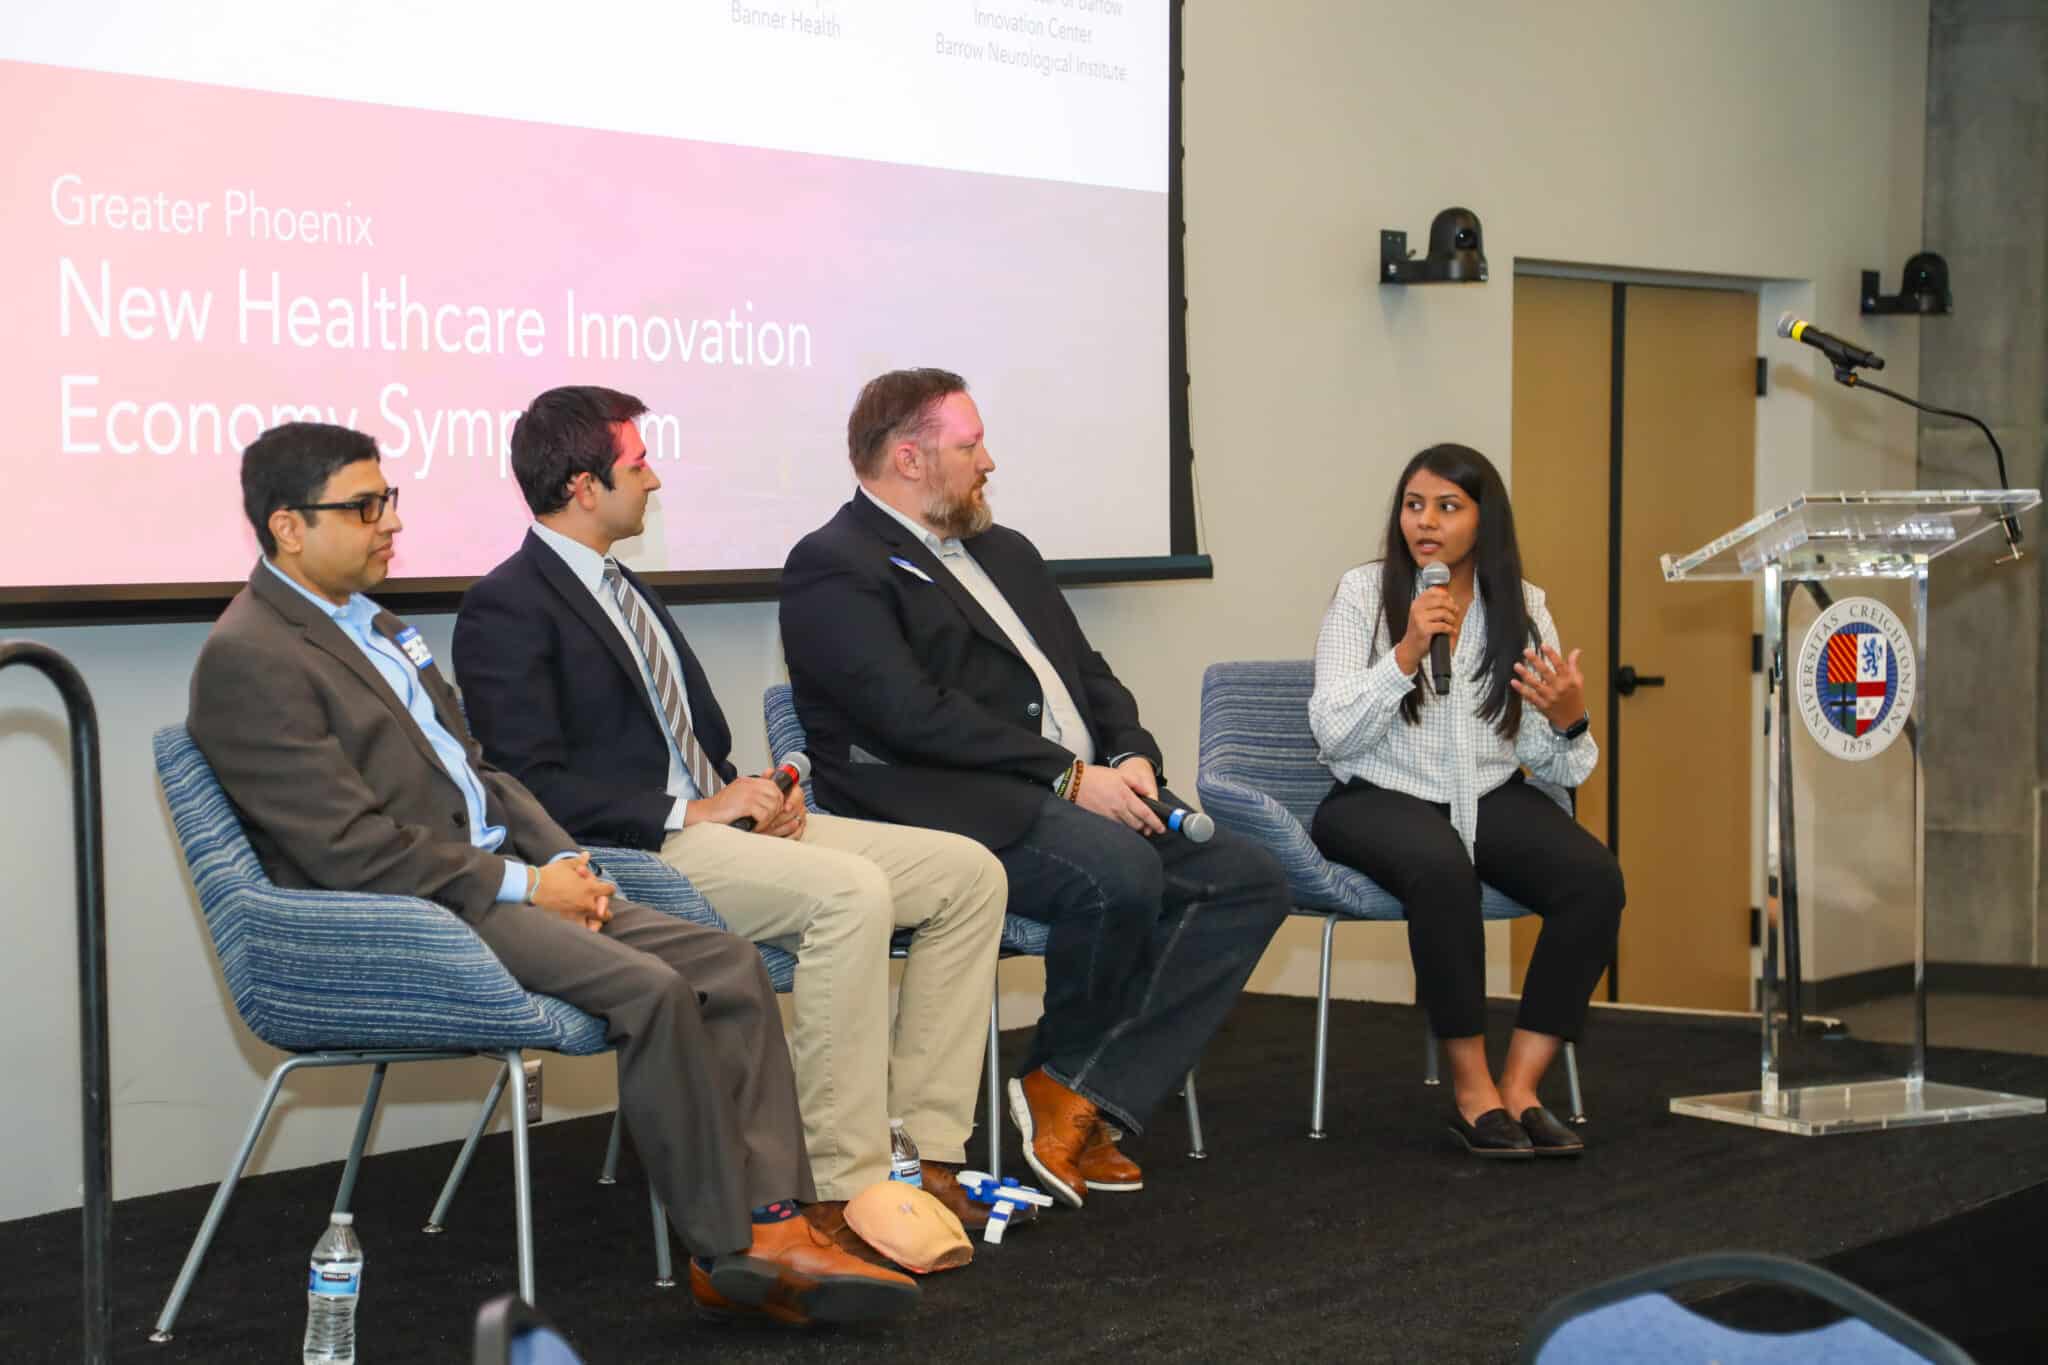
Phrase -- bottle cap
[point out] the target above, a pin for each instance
(895, 1125)
(342, 1219)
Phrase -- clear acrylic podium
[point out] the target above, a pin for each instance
(1822, 536)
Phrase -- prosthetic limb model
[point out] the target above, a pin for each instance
(1003, 1198)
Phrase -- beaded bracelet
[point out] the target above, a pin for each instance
(1073, 791)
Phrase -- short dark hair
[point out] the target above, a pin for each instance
(288, 465)
(896, 406)
(566, 432)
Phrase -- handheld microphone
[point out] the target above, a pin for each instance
(1437, 575)
(1846, 355)
(1192, 825)
(788, 773)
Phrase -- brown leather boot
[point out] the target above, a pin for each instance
(1106, 1168)
(797, 1275)
(1055, 1123)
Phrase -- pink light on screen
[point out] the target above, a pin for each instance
(744, 294)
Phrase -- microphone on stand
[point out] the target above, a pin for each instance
(787, 774)
(1438, 575)
(1846, 355)
(1191, 825)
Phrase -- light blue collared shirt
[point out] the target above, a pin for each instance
(588, 566)
(400, 674)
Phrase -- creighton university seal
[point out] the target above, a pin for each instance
(1855, 678)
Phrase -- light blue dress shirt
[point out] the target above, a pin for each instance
(402, 677)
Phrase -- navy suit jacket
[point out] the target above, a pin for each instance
(911, 671)
(555, 697)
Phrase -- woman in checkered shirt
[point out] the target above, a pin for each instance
(1430, 798)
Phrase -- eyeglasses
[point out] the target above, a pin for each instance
(370, 506)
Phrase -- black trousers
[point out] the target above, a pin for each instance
(1527, 847)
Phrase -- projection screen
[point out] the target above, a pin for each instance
(412, 218)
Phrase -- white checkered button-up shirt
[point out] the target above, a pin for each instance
(1451, 756)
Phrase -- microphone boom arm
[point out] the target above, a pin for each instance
(1849, 379)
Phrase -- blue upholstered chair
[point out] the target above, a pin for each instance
(1021, 938)
(339, 978)
(1632, 1318)
(1260, 774)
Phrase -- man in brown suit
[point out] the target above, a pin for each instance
(347, 757)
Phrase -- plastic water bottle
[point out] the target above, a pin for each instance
(331, 1291)
(903, 1162)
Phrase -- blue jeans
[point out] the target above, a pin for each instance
(1152, 940)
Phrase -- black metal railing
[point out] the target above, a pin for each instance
(98, 1208)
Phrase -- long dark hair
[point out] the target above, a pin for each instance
(1498, 569)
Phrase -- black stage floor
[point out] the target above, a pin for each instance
(1383, 1242)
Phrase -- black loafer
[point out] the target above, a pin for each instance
(1548, 1135)
(1492, 1134)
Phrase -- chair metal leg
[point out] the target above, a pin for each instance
(214, 1211)
(362, 1138)
(1196, 1150)
(1429, 1057)
(438, 1219)
(522, 1175)
(664, 1269)
(1315, 1109)
(1571, 1072)
(995, 1083)
(610, 1174)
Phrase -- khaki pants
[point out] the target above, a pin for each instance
(834, 897)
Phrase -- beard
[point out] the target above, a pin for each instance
(956, 518)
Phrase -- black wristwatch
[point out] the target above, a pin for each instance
(1575, 729)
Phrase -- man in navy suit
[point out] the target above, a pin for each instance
(579, 683)
(943, 681)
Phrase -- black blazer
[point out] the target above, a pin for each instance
(555, 697)
(914, 673)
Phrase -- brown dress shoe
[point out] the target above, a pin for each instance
(829, 1217)
(1055, 1123)
(942, 1182)
(1106, 1168)
(797, 1275)
(715, 1305)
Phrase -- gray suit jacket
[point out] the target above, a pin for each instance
(335, 783)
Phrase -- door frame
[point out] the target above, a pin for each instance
(1771, 295)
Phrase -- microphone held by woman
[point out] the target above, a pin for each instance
(1437, 574)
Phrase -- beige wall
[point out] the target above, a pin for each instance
(1745, 138)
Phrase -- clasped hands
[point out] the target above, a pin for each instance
(567, 887)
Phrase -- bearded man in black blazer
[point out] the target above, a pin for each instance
(942, 680)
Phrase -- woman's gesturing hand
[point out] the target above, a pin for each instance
(1552, 685)
(1432, 613)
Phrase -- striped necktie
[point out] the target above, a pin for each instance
(666, 688)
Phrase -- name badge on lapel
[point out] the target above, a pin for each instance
(909, 567)
(415, 648)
